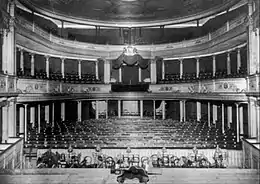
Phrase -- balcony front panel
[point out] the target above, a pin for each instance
(228, 85)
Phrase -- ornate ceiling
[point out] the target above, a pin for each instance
(119, 11)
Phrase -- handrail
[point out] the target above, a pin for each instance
(27, 24)
(12, 156)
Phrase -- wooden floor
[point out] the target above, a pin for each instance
(103, 176)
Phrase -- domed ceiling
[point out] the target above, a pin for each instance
(116, 11)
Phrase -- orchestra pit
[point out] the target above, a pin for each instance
(129, 91)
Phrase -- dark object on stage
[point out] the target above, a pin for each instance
(128, 87)
(134, 172)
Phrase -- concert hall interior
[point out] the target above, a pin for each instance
(108, 91)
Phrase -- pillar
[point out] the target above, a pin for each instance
(32, 65)
(163, 70)
(21, 121)
(258, 123)
(25, 122)
(181, 111)
(184, 110)
(154, 110)
(120, 74)
(119, 108)
(238, 60)
(228, 64)
(197, 67)
(39, 118)
(215, 114)
(62, 67)
(139, 74)
(198, 111)
(229, 116)
(11, 120)
(21, 61)
(214, 65)
(79, 68)
(97, 110)
(32, 116)
(5, 122)
(222, 118)
(107, 109)
(237, 122)
(47, 114)
(153, 73)
(181, 68)
(53, 114)
(209, 114)
(47, 66)
(79, 108)
(241, 120)
(163, 109)
(62, 111)
(96, 68)
(107, 71)
(141, 108)
(252, 118)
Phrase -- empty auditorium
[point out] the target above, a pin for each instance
(129, 91)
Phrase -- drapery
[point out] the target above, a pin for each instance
(130, 61)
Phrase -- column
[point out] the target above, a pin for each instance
(215, 114)
(32, 116)
(181, 68)
(238, 60)
(79, 108)
(209, 114)
(47, 66)
(214, 65)
(163, 109)
(107, 109)
(5, 124)
(241, 120)
(197, 67)
(39, 118)
(258, 123)
(119, 108)
(251, 118)
(21, 121)
(184, 110)
(181, 111)
(222, 118)
(53, 114)
(107, 72)
(97, 110)
(198, 111)
(96, 66)
(153, 73)
(21, 61)
(139, 74)
(47, 114)
(237, 122)
(229, 116)
(25, 122)
(62, 67)
(163, 70)
(228, 64)
(79, 68)
(32, 65)
(154, 110)
(62, 111)
(141, 108)
(11, 120)
(120, 74)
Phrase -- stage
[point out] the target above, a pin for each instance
(159, 176)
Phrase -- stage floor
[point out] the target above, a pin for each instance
(161, 176)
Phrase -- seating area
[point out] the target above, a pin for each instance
(116, 133)
(189, 77)
(69, 78)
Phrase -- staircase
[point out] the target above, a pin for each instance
(103, 176)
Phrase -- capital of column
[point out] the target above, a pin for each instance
(79, 61)
(62, 60)
(47, 57)
(32, 55)
(181, 60)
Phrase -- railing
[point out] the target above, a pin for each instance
(12, 155)
(27, 24)
(251, 154)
